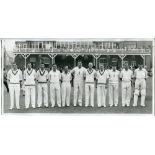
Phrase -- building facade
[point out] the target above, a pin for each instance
(64, 52)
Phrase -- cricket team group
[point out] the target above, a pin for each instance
(58, 85)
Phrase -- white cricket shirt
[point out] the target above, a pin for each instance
(102, 76)
(113, 76)
(140, 74)
(66, 77)
(14, 76)
(126, 75)
(54, 77)
(29, 77)
(78, 74)
(90, 75)
(42, 76)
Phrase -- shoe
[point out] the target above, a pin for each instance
(115, 105)
(104, 106)
(123, 105)
(143, 105)
(134, 105)
(38, 106)
(128, 105)
(11, 108)
(99, 106)
(18, 108)
(111, 105)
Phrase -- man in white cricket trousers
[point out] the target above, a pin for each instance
(126, 76)
(102, 80)
(54, 78)
(66, 78)
(113, 86)
(42, 78)
(90, 75)
(78, 73)
(14, 78)
(30, 89)
(140, 75)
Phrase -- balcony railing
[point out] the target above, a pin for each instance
(83, 50)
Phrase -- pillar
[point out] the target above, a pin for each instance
(96, 63)
(74, 62)
(53, 57)
(74, 57)
(96, 56)
(122, 58)
(144, 60)
(25, 56)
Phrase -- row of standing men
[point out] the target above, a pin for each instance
(60, 85)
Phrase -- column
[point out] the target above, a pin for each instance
(96, 64)
(19, 47)
(143, 56)
(25, 56)
(74, 62)
(53, 57)
(112, 45)
(122, 58)
(144, 60)
(74, 57)
(96, 56)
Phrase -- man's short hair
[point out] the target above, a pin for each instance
(14, 63)
(54, 65)
(79, 61)
(29, 63)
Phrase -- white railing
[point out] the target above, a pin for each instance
(81, 50)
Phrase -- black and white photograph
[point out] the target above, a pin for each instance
(78, 75)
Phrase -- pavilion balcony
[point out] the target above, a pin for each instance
(82, 51)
